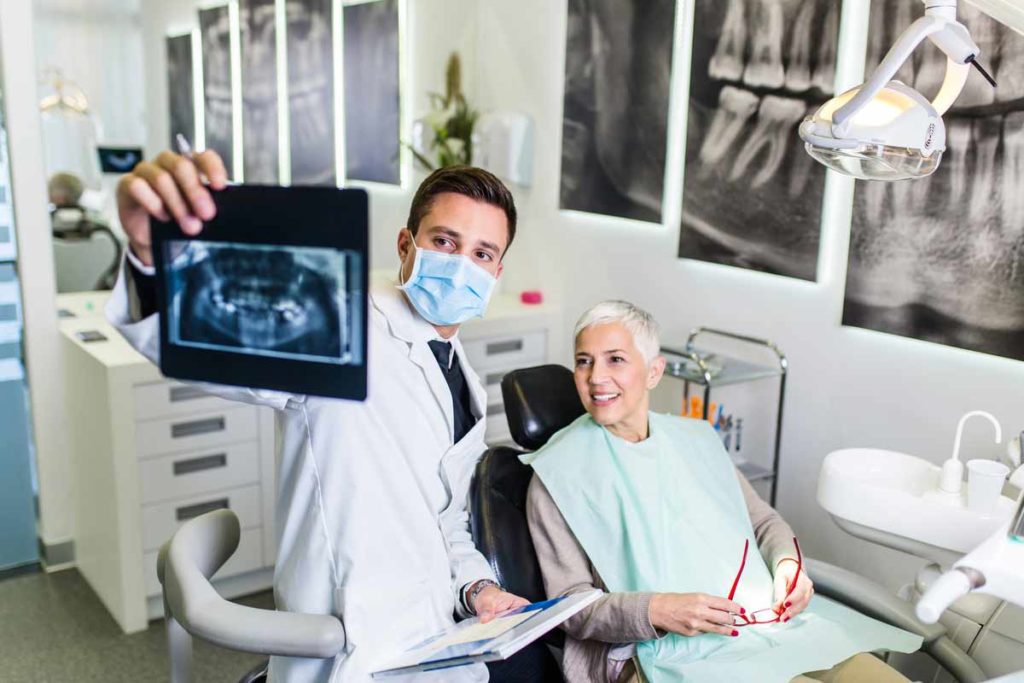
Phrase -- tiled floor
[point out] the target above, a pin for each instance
(53, 629)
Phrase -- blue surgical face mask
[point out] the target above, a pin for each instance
(447, 289)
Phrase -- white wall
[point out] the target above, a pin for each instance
(848, 387)
(98, 45)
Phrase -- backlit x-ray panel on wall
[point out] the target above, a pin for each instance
(751, 195)
(372, 111)
(615, 117)
(180, 95)
(942, 258)
(215, 38)
(311, 91)
(259, 90)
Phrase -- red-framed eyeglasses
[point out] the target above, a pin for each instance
(767, 615)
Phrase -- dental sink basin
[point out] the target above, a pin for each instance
(893, 499)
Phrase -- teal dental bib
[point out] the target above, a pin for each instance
(667, 515)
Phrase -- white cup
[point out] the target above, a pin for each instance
(985, 483)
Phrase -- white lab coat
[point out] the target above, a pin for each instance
(372, 522)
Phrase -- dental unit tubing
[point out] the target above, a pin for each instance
(996, 567)
(939, 25)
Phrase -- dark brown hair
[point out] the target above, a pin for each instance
(469, 181)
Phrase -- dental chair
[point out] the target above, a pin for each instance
(539, 401)
(542, 400)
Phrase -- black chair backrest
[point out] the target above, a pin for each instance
(539, 401)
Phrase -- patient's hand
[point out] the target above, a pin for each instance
(787, 608)
(492, 601)
(690, 614)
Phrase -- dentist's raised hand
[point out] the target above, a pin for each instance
(171, 186)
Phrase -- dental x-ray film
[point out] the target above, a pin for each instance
(271, 294)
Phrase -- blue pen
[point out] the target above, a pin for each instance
(718, 418)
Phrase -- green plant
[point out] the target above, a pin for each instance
(451, 121)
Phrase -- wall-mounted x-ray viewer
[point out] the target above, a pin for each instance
(272, 294)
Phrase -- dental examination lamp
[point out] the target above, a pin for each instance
(883, 129)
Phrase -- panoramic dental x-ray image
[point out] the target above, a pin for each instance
(247, 298)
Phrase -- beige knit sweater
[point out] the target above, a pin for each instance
(593, 652)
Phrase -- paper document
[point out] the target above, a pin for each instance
(470, 641)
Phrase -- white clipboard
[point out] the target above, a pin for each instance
(470, 641)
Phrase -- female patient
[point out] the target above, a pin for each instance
(703, 579)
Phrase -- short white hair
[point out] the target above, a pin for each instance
(641, 324)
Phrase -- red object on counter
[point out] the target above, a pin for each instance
(531, 297)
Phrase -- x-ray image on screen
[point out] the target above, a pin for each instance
(273, 301)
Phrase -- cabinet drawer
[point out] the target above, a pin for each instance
(492, 383)
(506, 352)
(248, 557)
(196, 472)
(497, 432)
(165, 399)
(193, 432)
(161, 520)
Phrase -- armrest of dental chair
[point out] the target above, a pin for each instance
(868, 597)
(874, 600)
(184, 566)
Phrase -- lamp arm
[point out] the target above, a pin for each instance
(887, 68)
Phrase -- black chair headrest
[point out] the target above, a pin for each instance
(538, 402)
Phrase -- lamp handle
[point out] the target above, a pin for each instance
(947, 34)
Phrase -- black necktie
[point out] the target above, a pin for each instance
(452, 371)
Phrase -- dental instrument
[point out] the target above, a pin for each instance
(884, 129)
(995, 567)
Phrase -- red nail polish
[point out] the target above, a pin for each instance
(788, 604)
(785, 620)
(735, 633)
(742, 611)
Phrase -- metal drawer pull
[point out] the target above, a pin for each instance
(495, 378)
(185, 393)
(190, 511)
(206, 462)
(504, 346)
(212, 424)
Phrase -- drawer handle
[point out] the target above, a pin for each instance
(185, 393)
(206, 462)
(190, 511)
(495, 409)
(184, 429)
(495, 378)
(504, 347)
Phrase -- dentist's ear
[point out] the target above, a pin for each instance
(656, 372)
(405, 242)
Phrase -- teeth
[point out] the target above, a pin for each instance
(798, 73)
(604, 397)
(765, 66)
(735, 107)
(777, 115)
(1013, 174)
(984, 200)
(1010, 75)
(825, 71)
(727, 62)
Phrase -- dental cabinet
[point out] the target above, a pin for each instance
(703, 367)
(149, 453)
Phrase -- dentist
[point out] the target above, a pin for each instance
(372, 524)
